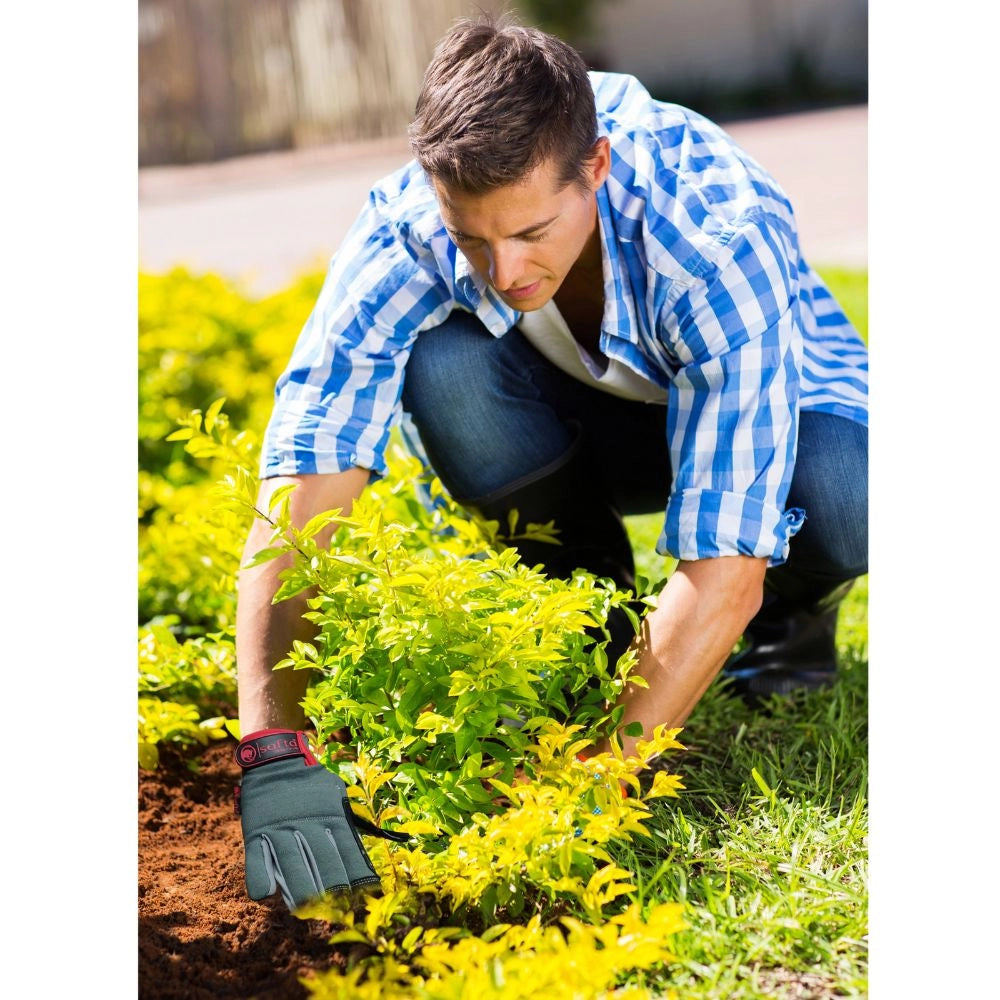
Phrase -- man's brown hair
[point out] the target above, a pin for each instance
(497, 100)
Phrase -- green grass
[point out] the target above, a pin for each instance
(767, 846)
(772, 868)
(850, 289)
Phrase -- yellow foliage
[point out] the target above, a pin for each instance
(549, 840)
(574, 961)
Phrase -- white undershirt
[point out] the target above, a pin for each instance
(547, 331)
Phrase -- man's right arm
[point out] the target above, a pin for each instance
(265, 631)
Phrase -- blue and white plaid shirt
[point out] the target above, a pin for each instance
(706, 294)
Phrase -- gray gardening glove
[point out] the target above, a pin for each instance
(299, 833)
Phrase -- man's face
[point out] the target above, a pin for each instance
(524, 238)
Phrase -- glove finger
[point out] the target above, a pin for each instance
(359, 868)
(264, 874)
(279, 877)
(260, 868)
(327, 859)
(295, 870)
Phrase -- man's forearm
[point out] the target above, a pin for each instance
(265, 632)
(702, 611)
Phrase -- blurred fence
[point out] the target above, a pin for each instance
(221, 78)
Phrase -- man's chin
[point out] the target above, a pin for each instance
(533, 307)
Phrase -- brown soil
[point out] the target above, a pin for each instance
(200, 936)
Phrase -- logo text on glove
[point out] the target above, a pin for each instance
(264, 749)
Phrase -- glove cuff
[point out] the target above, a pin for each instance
(267, 745)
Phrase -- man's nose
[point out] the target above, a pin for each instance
(506, 266)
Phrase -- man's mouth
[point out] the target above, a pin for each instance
(524, 292)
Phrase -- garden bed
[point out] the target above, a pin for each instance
(200, 936)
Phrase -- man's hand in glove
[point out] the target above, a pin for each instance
(299, 833)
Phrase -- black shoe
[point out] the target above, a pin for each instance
(789, 648)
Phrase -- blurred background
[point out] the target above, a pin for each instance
(221, 78)
(262, 123)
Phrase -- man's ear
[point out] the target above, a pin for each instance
(599, 163)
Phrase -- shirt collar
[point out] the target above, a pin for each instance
(619, 311)
(466, 280)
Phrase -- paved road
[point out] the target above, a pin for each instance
(263, 219)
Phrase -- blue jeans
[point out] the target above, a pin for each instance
(492, 412)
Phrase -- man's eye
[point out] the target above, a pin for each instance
(536, 238)
(463, 240)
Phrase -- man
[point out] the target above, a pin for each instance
(590, 304)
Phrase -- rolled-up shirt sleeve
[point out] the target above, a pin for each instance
(732, 411)
(339, 396)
